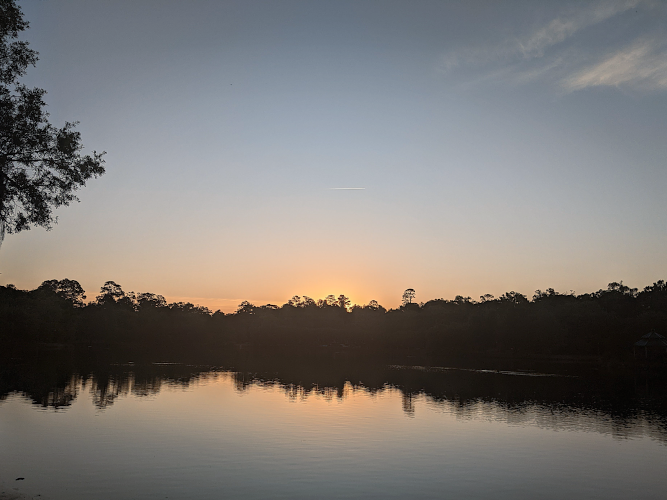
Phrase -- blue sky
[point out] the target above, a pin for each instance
(503, 146)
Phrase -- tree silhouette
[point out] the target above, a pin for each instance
(328, 301)
(408, 296)
(343, 302)
(605, 323)
(40, 166)
(69, 290)
(111, 293)
(150, 301)
(374, 305)
(245, 307)
(294, 301)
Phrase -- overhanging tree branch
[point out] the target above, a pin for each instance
(41, 166)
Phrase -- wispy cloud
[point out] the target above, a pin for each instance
(563, 27)
(642, 65)
(543, 54)
(537, 42)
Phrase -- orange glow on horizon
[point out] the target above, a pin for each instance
(230, 305)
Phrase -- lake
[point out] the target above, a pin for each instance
(161, 430)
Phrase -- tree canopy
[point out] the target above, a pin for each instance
(408, 296)
(41, 166)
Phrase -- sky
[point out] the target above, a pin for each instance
(502, 146)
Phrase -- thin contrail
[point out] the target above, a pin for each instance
(348, 189)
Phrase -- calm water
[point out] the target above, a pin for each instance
(177, 431)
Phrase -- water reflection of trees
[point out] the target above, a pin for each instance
(563, 418)
(623, 408)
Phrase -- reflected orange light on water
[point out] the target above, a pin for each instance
(225, 435)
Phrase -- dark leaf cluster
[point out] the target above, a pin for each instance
(41, 166)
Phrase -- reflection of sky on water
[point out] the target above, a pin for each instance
(223, 435)
(220, 435)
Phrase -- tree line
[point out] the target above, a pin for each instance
(603, 324)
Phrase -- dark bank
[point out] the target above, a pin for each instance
(604, 329)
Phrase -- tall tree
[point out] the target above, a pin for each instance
(41, 166)
(408, 296)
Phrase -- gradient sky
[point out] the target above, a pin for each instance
(502, 146)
